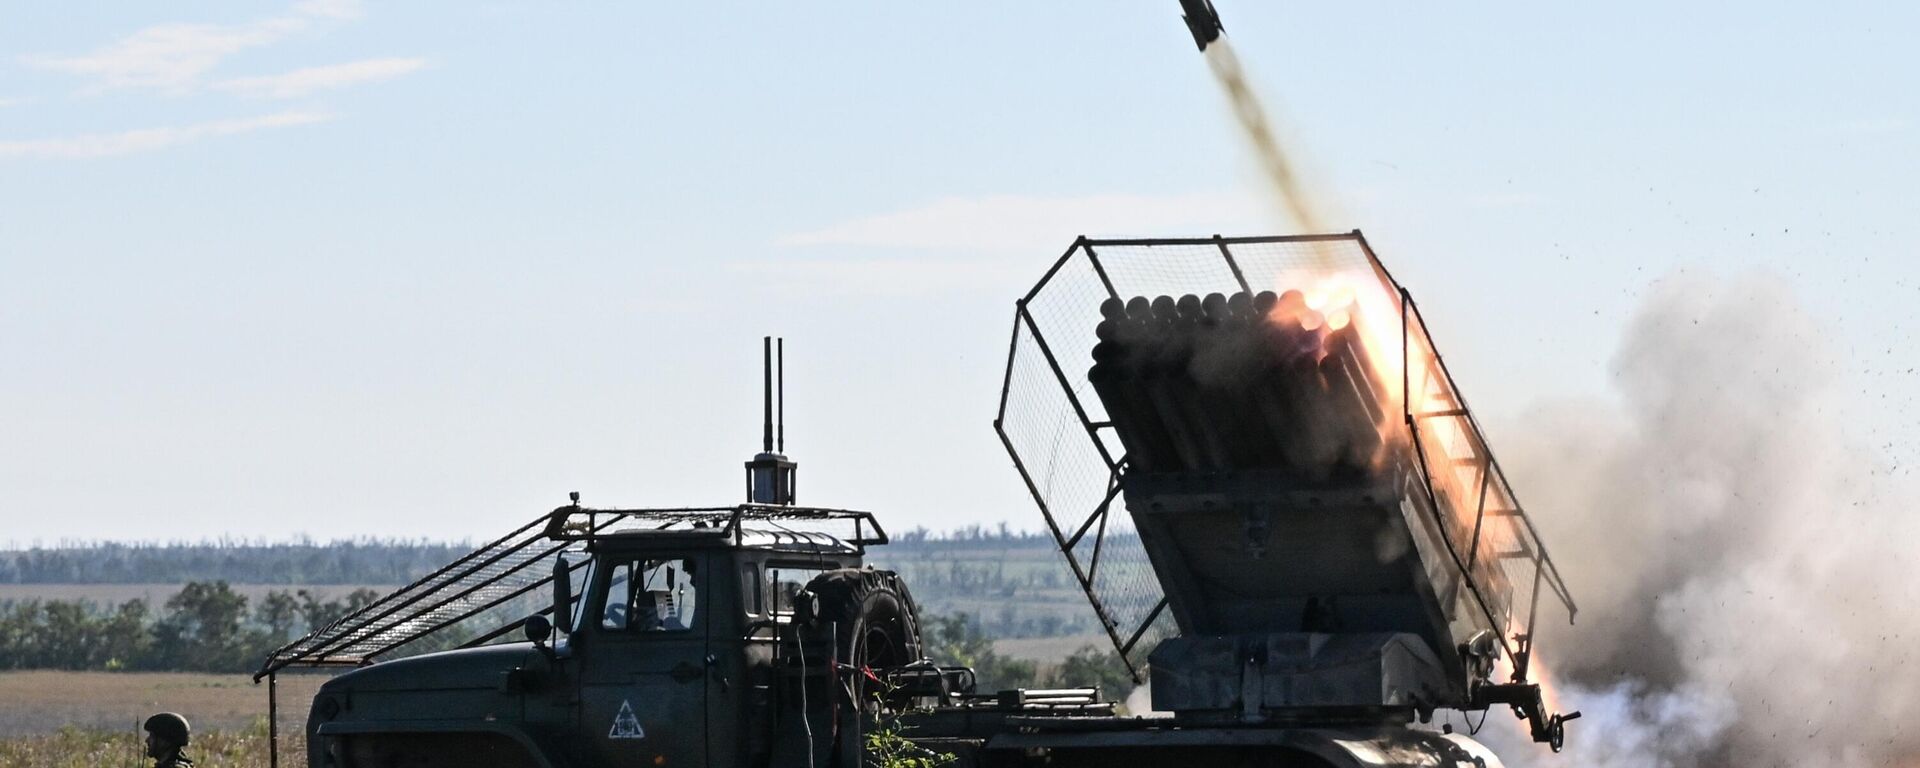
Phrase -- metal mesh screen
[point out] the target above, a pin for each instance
(1490, 534)
(468, 600)
(293, 692)
(486, 594)
(1065, 449)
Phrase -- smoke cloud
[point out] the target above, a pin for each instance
(1746, 576)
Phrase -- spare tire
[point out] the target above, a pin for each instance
(877, 626)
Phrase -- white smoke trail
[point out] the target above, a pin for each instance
(1746, 577)
(1281, 173)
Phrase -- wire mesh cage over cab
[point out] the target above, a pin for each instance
(1286, 443)
(487, 595)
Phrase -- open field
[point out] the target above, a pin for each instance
(85, 748)
(41, 703)
(75, 719)
(1048, 649)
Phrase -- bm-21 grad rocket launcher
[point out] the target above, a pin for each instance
(1268, 485)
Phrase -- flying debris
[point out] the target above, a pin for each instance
(1202, 20)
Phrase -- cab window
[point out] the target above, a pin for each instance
(653, 595)
(785, 581)
(750, 588)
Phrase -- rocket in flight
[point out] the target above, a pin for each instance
(1202, 20)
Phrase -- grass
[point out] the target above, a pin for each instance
(62, 719)
(93, 748)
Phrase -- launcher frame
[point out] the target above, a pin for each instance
(1441, 416)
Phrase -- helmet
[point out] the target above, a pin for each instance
(169, 726)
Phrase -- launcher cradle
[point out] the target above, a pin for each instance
(1268, 484)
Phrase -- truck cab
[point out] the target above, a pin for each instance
(675, 637)
(687, 622)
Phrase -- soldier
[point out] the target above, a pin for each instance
(166, 736)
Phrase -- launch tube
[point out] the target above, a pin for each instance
(1105, 380)
(1185, 392)
(1352, 411)
(1130, 386)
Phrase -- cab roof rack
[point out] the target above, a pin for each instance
(577, 523)
(490, 592)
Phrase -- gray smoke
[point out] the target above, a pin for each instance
(1251, 115)
(1746, 576)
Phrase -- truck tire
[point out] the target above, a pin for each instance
(878, 627)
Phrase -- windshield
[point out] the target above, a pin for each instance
(651, 595)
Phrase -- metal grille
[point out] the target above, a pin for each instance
(290, 695)
(462, 603)
(1066, 449)
(487, 594)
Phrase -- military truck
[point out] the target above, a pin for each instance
(1302, 580)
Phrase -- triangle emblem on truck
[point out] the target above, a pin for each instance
(625, 725)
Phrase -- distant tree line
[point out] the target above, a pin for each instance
(209, 626)
(960, 639)
(305, 562)
(206, 627)
(975, 535)
(381, 561)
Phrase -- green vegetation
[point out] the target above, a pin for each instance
(1014, 583)
(886, 744)
(959, 639)
(888, 747)
(206, 626)
(988, 583)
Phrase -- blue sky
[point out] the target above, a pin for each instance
(420, 269)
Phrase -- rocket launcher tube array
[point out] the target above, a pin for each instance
(1241, 382)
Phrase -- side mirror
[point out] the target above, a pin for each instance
(538, 629)
(563, 594)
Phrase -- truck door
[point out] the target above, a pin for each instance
(644, 678)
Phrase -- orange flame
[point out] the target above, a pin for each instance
(1342, 298)
(1406, 369)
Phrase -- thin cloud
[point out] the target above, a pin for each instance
(301, 82)
(1004, 224)
(150, 139)
(174, 57)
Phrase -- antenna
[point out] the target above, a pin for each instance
(780, 366)
(766, 370)
(771, 476)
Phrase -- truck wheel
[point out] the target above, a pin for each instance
(878, 627)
